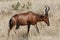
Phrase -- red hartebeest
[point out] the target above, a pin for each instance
(29, 18)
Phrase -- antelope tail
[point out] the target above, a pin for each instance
(10, 26)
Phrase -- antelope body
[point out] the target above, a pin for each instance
(28, 18)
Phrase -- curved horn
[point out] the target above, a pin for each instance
(47, 8)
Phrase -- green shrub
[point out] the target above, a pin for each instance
(16, 6)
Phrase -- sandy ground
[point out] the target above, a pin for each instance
(51, 32)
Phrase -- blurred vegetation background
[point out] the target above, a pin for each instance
(8, 8)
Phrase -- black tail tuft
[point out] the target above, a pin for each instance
(10, 24)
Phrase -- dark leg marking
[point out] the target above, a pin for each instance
(17, 26)
(28, 29)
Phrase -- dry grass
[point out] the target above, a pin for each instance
(51, 32)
